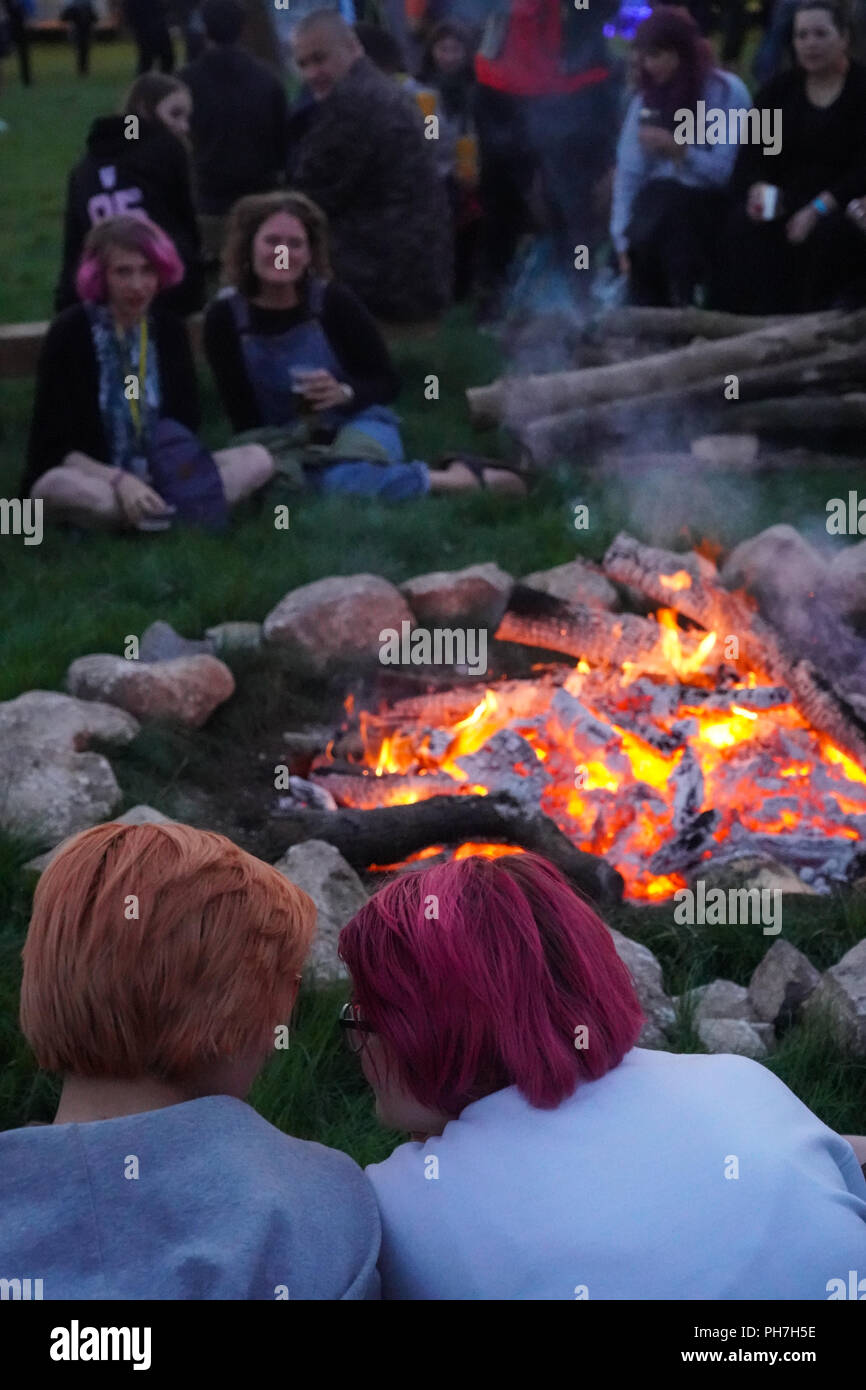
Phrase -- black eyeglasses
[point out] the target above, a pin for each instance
(354, 1027)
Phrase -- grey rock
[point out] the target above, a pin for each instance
(646, 972)
(473, 597)
(335, 623)
(848, 581)
(235, 637)
(136, 815)
(50, 792)
(576, 582)
(186, 689)
(750, 871)
(320, 870)
(722, 999)
(732, 1035)
(160, 642)
(782, 982)
(777, 564)
(45, 717)
(843, 992)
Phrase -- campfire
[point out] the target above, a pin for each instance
(661, 743)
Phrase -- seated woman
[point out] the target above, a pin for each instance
(161, 967)
(670, 200)
(803, 254)
(286, 342)
(551, 1158)
(110, 369)
(143, 168)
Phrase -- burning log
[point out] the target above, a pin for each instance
(369, 792)
(516, 398)
(759, 697)
(687, 781)
(681, 581)
(393, 832)
(601, 638)
(686, 850)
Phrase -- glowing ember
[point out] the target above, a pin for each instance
(614, 757)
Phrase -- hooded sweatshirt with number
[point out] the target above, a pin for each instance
(148, 173)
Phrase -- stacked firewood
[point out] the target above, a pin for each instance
(665, 376)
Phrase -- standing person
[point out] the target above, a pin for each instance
(289, 346)
(149, 174)
(571, 1162)
(448, 67)
(81, 17)
(149, 25)
(93, 454)
(804, 253)
(17, 14)
(670, 200)
(364, 159)
(547, 114)
(239, 122)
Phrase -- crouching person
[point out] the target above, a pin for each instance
(113, 434)
(156, 1180)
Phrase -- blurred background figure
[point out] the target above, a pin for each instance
(81, 17)
(149, 25)
(149, 175)
(670, 201)
(239, 122)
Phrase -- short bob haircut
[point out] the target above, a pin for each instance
(126, 233)
(247, 216)
(491, 991)
(156, 949)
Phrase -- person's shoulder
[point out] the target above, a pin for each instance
(338, 298)
(731, 87)
(219, 311)
(70, 323)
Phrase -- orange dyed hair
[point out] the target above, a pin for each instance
(206, 971)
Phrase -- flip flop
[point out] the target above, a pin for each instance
(476, 463)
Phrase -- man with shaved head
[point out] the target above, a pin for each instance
(365, 160)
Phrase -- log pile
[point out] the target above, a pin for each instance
(705, 373)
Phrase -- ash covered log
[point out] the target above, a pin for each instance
(391, 833)
(681, 325)
(670, 413)
(822, 415)
(523, 398)
(691, 591)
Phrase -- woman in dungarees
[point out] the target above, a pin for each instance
(284, 340)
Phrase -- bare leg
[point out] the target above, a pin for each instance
(82, 497)
(458, 478)
(243, 469)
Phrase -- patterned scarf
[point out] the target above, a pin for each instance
(118, 358)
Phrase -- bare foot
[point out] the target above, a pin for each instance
(458, 478)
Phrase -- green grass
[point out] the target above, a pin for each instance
(74, 594)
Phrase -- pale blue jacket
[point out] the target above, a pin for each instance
(672, 1177)
(705, 166)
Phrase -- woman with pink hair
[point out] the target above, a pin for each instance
(551, 1157)
(113, 369)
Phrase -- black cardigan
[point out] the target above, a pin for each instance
(66, 414)
(822, 148)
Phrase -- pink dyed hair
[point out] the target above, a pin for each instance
(127, 233)
(491, 992)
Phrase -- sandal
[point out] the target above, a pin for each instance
(476, 463)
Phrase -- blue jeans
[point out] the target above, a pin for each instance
(391, 482)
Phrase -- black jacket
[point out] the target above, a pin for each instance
(66, 414)
(151, 174)
(239, 127)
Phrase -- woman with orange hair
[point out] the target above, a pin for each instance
(160, 969)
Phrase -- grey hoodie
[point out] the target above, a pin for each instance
(200, 1200)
